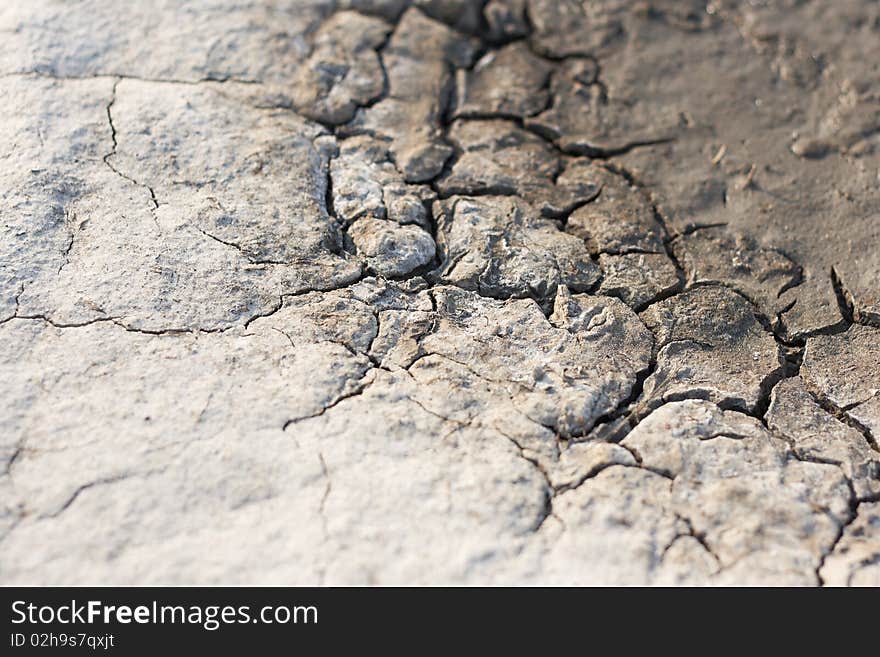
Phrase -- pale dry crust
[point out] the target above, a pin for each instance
(350, 293)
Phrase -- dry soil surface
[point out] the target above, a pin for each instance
(443, 291)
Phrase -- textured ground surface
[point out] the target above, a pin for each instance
(525, 291)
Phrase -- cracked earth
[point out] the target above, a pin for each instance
(443, 291)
